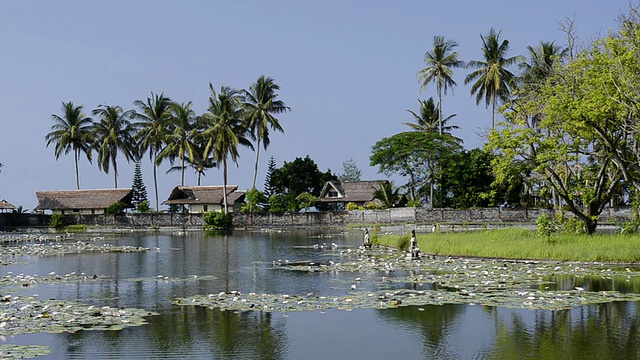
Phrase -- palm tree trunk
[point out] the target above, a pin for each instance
(440, 103)
(182, 170)
(224, 184)
(493, 112)
(115, 170)
(77, 155)
(155, 178)
(255, 170)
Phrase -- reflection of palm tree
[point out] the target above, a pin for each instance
(259, 103)
(71, 131)
(440, 60)
(434, 322)
(225, 130)
(153, 119)
(113, 133)
(492, 78)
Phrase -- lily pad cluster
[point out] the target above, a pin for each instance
(29, 314)
(13, 351)
(394, 280)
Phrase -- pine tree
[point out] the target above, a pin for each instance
(138, 188)
(269, 189)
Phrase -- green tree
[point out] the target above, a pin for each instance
(428, 120)
(225, 130)
(492, 79)
(440, 61)
(71, 131)
(260, 102)
(113, 133)
(413, 154)
(179, 142)
(138, 188)
(387, 195)
(269, 188)
(255, 199)
(299, 176)
(153, 128)
(350, 171)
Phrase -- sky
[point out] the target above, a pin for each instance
(347, 69)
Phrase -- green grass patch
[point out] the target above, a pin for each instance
(75, 228)
(527, 244)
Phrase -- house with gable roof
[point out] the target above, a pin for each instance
(202, 199)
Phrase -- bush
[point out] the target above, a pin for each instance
(546, 225)
(76, 228)
(56, 221)
(403, 242)
(116, 208)
(216, 221)
(351, 206)
(143, 207)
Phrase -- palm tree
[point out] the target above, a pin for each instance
(541, 61)
(71, 131)
(226, 130)
(492, 78)
(179, 140)
(428, 120)
(113, 133)
(386, 194)
(153, 127)
(260, 103)
(440, 62)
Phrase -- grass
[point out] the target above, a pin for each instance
(75, 228)
(527, 244)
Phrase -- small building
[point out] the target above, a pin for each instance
(83, 202)
(5, 206)
(336, 195)
(202, 199)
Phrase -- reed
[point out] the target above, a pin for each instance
(527, 244)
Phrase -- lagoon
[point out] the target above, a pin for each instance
(184, 265)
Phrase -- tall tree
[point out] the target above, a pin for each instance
(113, 133)
(492, 79)
(542, 59)
(350, 171)
(269, 188)
(71, 131)
(226, 130)
(138, 188)
(428, 120)
(153, 117)
(260, 102)
(440, 61)
(179, 143)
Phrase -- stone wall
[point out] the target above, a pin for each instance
(505, 216)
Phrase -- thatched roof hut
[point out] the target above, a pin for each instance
(206, 198)
(83, 201)
(357, 192)
(5, 206)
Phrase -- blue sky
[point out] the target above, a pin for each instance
(347, 69)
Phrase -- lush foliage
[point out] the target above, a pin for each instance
(217, 220)
(255, 200)
(116, 208)
(56, 221)
(138, 189)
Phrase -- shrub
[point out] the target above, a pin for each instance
(143, 207)
(56, 221)
(216, 221)
(76, 228)
(403, 242)
(351, 206)
(116, 208)
(546, 225)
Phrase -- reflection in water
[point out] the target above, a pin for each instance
(242, 262)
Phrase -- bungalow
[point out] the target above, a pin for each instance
(82, 201)
(206, 198)
(338, 194)
(6, 206)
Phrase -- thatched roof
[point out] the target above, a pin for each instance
(5, 205)
(350, 191)
(184, 195)
(82, 199)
